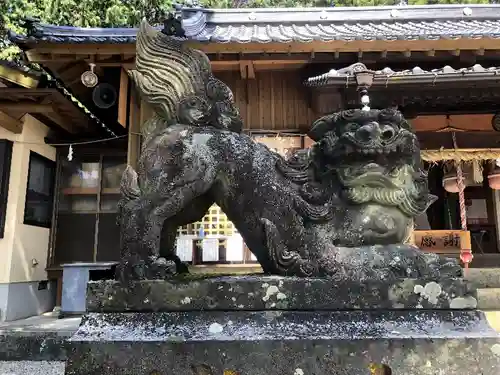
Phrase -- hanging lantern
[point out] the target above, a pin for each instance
(494, 179)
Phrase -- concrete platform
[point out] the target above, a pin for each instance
(38, 345)
(32, 368)
(484, 277)
(40, 338)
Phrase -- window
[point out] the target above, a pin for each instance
(5, 159)
(40, 191)
(88, 191)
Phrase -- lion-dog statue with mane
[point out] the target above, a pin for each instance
(342, 208)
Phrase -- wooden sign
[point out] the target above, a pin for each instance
(442, 241)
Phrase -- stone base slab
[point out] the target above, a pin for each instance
(257, 293)
(284, 343)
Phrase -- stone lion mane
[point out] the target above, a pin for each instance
(178, 83)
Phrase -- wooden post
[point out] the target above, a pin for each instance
(496, 210)
(123, 99)
(134, 130)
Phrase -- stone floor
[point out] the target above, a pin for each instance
(41, 339)
(32, 368)
(48, 322)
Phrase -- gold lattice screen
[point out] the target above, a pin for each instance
(215, 222)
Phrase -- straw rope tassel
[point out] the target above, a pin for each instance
(465, 254)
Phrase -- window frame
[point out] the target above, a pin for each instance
(49, 164)
(6, 148)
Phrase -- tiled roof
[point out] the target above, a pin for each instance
(386, 76)
(266, 25)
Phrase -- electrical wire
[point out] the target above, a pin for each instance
(73, 143)
(270, 133)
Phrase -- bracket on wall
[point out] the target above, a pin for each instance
(10, 123)
(247, 69)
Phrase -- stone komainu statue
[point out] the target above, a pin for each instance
(339, 209)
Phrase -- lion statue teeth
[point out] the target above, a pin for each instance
(340, 209)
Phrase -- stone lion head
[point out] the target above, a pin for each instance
(375, 157)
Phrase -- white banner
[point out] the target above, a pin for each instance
(235, 249)
(210, 247)
(184, 248)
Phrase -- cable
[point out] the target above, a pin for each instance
(71, 144)
(70, 150)
(269, 133)
(75, 143)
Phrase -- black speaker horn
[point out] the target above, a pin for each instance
(104, 96)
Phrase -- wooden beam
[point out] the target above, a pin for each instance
(10, 123)
(39, 53)
(123, 98)
(467, 139)
(72, 70)
(17, 77)
(26, 107)
(63, 122)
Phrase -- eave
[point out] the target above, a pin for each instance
(387, 77)
(291, 31)
(48, 104)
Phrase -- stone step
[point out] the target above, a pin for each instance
(488, 298)
(484, 277)
(31, 368)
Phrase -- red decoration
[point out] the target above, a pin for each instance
(466, 256)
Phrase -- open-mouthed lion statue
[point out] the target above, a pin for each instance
(341, 208)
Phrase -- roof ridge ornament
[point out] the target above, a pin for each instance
(33, 26)
(395, 13)
(172, 26)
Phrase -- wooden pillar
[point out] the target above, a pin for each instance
(134, 130)
(496, 210)
(123, 98)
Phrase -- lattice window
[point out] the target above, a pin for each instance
(214, 223)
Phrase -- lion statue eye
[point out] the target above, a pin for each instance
(351, 127)
(389, 125)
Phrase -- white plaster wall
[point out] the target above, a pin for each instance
(23, 243)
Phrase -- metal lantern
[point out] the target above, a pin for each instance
(89, 78)
(364, 78)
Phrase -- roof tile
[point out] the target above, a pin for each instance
(304, 25)
(345, 76)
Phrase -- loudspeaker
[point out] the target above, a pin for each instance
(104, 96)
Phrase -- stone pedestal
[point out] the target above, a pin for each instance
(283, 326)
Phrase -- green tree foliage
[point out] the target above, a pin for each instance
(115, 13)
(82, 13)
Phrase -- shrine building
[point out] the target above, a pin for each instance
(67, 132)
